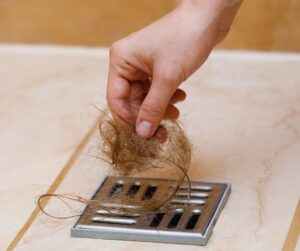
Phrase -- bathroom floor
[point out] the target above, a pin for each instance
(242, 115)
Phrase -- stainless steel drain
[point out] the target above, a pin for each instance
(191, 222)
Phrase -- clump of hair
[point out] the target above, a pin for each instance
(128, 154)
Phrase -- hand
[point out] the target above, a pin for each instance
(147, 67)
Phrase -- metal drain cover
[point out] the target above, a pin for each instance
(190, 223)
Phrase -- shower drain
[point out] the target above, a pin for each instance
(191, 222)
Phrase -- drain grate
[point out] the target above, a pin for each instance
(191, 221)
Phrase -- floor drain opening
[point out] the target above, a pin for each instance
(133, 190)
(117, 188)
(104, 213)
(175, 220)
(149, 192)
(193, 220)
(157, 220)
(196, 188)
(192, 194)
(114, 220)
(116, 212)
(188, 202)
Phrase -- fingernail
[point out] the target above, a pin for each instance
(145, 129)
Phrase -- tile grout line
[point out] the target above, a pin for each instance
(294, 231)
(55, 184)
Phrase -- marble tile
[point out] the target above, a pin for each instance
(243, 117)
(46, 97)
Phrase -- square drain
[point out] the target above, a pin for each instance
(191, 222)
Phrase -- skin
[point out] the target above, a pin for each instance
(147, 67)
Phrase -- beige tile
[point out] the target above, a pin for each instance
(243, 116)
(44, 111)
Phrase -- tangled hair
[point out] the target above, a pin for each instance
(129, 155)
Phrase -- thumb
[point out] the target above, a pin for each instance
(154, 106)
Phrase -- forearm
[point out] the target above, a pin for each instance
(218, 14)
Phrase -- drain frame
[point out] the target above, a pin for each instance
(211, 198)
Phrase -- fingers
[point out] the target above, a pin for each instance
(171, 112)
(135, 98)
(122, 89)
(178, 96)
(118, 92)
(156, 105)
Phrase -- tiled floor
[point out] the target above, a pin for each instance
(244, 124)
(46, 109)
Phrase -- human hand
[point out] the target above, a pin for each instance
(147, 67)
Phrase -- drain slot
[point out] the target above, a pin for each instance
(102, 212)
(192, 194)
(114, 220)
(105, 214)
(117, 188)
(187, 201)
(175, 219)
(149, 192)
(196, 188)
(193, 220)
(133, 190)
(157, 220)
